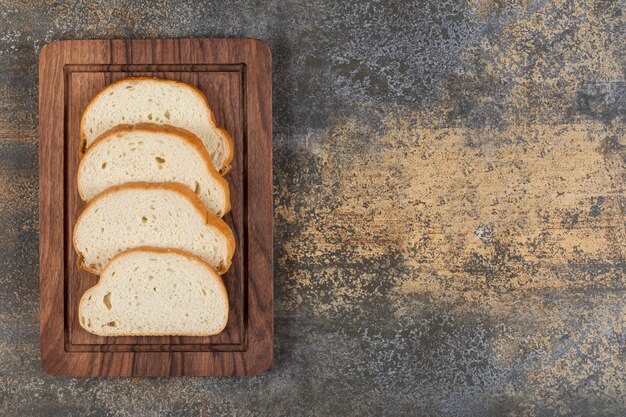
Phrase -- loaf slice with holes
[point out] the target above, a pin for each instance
(154, 100)
(152, 153)
(150, 292)
(162, 215)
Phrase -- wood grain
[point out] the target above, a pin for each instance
(235, 75)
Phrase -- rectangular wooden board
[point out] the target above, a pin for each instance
(235, 76)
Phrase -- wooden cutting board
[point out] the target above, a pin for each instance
(235, 75)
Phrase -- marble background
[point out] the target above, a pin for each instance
(450, 210)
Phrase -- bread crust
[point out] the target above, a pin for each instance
(153, 249)
(184, 134)
(210, 219)
(223, 133)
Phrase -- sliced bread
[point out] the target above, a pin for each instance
(149, 291)
(152, 153)
(154, 100)
(163, 215)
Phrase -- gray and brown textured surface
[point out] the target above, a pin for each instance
(449, 190)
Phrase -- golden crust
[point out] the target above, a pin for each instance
(210, 218)
(186, 135)
(161, 250)
(223, 133)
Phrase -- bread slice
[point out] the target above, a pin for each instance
(152, 292)
(163, 215)
(154, 100)
(152, 153)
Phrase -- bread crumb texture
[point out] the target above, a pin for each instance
(151, 292)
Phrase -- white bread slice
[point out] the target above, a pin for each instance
(162, 215)
(152, 292)
(154, 100)
(152, 153)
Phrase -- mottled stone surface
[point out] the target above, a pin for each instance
(449, 189)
